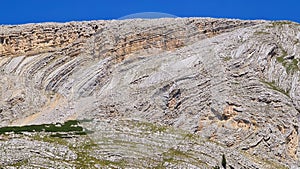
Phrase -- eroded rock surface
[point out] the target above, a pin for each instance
(165, 93)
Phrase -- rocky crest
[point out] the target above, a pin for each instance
(161, 93)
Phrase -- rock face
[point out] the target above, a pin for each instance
(164, 93)
(32, 39)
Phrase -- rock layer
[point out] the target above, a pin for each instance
(32, 39)
(232, 84)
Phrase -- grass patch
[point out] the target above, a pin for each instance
(176, 156)
(82, 149)
(71, 127)
(272, 85)
(152, 127)
(280, 59)
(192, 137)
(290, 66)
(49, 139)
(227, 58)
(284, 52)
(170, 157)
(261, 33)
(85, 160)
(281, 23)
(174, 152)
(20, 163)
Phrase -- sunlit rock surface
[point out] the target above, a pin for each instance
(160, 93)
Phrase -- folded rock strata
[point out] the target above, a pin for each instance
(206, 87)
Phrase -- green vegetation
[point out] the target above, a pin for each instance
(49, 139)
(175, 152)
(284, 52)
(281, 23)
(272, 85)
(67, 127)
(152, 127)
(191, 136)
(83, 151)
(261, 33)
(84, 147)
(58, 134)
(290, 66)
(223, 161)
(20, 163)
(175, 156)
(227, 58)
(280, 59)
(86, 160)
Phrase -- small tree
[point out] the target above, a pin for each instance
(223, 161)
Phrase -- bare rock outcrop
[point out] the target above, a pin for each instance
(177, 93)
(32, 39)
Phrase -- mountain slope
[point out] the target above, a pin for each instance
(162, 93)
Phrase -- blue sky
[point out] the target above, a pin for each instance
(32, 11)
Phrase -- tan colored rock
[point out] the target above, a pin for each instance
(33, 39)
(293, 144)
(229, 112)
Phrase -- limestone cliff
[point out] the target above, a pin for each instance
(161, 93)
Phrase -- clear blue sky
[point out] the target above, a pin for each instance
(32, 11)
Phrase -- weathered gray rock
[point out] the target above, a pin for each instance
(233, 85)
